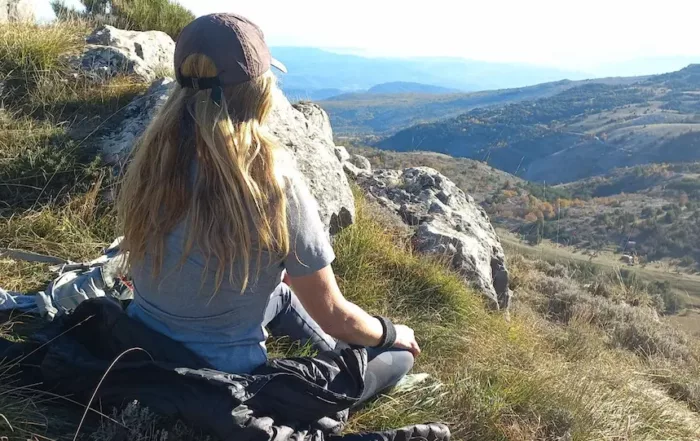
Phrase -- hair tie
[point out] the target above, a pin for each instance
(205, 83)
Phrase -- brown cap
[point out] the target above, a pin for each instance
(235, 45)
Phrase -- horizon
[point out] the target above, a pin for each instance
(607, 38)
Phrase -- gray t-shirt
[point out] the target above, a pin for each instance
(226, 329)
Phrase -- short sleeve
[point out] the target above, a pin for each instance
(310, 249)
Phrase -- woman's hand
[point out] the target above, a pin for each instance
(406, 339)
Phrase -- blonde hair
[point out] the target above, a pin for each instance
(235, 207)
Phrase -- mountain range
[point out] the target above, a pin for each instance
(382, 114)
(318, 74)
(581, 131)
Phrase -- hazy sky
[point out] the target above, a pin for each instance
(572, 34)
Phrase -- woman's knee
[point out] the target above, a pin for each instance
(403, 360)
(394, 362)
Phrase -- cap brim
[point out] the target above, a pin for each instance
(277, 64)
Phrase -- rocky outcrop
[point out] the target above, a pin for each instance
(311, 147)
(16, 11)
(111, 51)
(317, 117)
(353, 165)
(447, 223)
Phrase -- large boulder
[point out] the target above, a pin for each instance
(16, 11)
(447, 223)
(311, 148)
(310, 140)
(110, 51)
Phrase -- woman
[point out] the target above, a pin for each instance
(213, 221)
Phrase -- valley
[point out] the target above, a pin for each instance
(607, 164)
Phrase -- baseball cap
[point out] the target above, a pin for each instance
(235, 45)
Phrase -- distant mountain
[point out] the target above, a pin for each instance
(642, 66)
(384, 114)
(312, 69)
(311, 94)
(408, 87)
(396, 87)
(583, 131)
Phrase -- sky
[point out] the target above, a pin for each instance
(588, 36)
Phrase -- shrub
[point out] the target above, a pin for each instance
(138, 15)
(629, 327)
(687, 261)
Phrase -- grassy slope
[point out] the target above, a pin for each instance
(545, 375)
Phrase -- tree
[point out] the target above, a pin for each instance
(531, 217)
(669, 217)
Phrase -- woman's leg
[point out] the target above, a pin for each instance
(386, 367)
(286, 317)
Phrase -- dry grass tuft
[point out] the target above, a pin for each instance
(26, 47)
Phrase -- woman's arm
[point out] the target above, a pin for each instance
(341, 319)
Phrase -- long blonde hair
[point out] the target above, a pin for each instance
(235, 207)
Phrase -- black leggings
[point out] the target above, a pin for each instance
(286, 317)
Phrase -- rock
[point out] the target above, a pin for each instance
(318, 117)
(354, 165)
(351, 170)
(342, 154)
(312, 150)
(16, 11)
(311, 143)
(136, 116)
(111, 51)
(448, 223)
(361, 163)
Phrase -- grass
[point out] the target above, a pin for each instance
(531, 378)
(163, 15)
(497, 380)
(139, 15)
(28, 47)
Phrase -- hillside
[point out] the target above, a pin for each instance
(656, 206)
(360, 113)
(580, 132)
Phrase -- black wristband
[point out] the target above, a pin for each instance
(388, 333)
